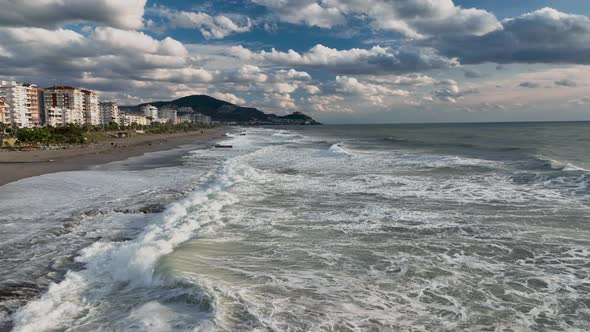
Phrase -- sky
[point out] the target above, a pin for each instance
(340, 61)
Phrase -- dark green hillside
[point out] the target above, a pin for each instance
(223, 111)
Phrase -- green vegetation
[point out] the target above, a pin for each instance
(76, 134)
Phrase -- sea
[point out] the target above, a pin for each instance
(415, 227)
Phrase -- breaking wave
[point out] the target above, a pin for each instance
(111, 267)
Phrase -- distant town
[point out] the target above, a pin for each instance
(24, 105)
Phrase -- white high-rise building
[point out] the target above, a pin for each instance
(150, 111)
(128, 119)
(90, 106)
(200, 118)
(24, 103)
(64, 105)
(4, 111)
(109, 112)
(169, 115)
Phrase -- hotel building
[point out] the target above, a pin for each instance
(64, 105)
(128, 119)
(150, 112)
(4, 111)
(169, 115)
(200, 118)
(24, 109)
(90, 108)
(108, 112)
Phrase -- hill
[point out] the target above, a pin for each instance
(223, 111)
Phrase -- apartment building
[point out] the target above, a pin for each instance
(128, 119)
(90, 108)
(64, 105)
(4, 111)
(150, 111)
(24, 110)
(184, 118)
(108, 112)
(33, 104)
(169, 115)
(200, 118)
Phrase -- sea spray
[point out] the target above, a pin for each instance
(109, 266)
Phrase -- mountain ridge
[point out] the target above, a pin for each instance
(226, 112)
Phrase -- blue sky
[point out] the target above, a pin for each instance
(341, 61)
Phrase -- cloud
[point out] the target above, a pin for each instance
(292, 74)
(450, 92)
(312, 89)
(376, 60)
(305, 12)
(229, 97)
(374, 93)
(329, 104)
(135, 41)
(211, 27)
(107, 58)
(353, 86)
(408, 80)
(580, 101)
(472, 73)
(566, 83)
(250, 73)
(413, 18)
(543, 36)
(529, 85)
(126, 14)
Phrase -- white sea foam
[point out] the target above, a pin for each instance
(565, 166)
(287, 135)
(132, 263)
(338, 149)
(315, 240)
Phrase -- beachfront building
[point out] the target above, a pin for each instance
(23, 99)
(33, 104)
(109, 112)
(185, 118)
(64, 105)
(200, 118)
(169, 115)
(41, 96)
(4, 111)
(90, 108)
(16, 96)
(127, 119)
(150, 112)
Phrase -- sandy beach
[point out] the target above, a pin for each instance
(16, 165)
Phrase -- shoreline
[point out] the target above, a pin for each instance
(18, 165)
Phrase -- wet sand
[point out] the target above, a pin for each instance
(17, 165)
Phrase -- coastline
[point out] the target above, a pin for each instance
(18, 165)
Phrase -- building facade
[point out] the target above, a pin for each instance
(200, 118)
(151, 112)
(108, 112)
(64, 105)
(4, 111)
(127, 119)
(169, 115)
(24, 109)
(90, 108)
(184, 118)
(33, 104)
